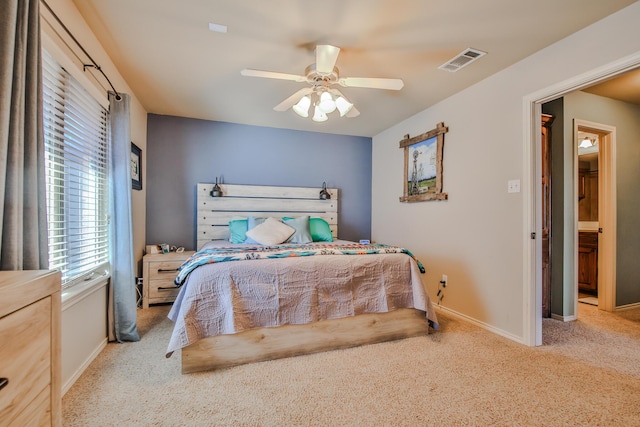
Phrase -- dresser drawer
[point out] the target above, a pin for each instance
(38, 413)
(25, 360)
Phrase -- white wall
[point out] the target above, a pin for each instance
(83, 332)
(84, 321)
(477, 237)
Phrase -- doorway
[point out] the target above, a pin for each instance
(588, 146)
(595, 189)
(532, 248)
(577, 257)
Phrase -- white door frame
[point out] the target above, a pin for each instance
(532, 182)
(607, 208)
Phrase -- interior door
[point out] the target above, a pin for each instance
(546, 214)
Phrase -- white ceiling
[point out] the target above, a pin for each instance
(176, 66)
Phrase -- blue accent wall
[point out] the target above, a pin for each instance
(182, 152)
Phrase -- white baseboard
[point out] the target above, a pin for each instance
(67, 385)
(627, 306)
(564, 318)
(480, 324)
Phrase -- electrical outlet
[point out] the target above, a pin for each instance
(444, 280)
(513, 186)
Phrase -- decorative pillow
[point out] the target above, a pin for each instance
(320, 230)
(271, 232)
(238, 230)
(301, 225)
(252, 222)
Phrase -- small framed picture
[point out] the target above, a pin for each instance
(136, 167)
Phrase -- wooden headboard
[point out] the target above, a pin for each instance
(214, 213)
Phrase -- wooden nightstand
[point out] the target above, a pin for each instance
(159, 272)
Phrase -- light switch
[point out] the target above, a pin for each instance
(513, 186)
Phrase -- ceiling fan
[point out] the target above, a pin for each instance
(321, 76)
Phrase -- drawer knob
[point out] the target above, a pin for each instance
(3, 382)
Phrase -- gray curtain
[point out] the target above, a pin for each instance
(22, 180)
(122, 294)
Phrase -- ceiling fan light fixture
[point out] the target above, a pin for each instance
(302, 107)
(327, 104)
(319, 115)
(321, 76)
(343, 105)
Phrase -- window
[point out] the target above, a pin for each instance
(76, 167)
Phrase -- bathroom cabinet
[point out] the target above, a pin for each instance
(588, 262)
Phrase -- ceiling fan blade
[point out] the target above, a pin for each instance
(372, 82)
(353, 112)
(336, 92)
(290, 101)
(272, 75)
(326, 57)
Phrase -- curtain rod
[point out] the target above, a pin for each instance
(93, 64)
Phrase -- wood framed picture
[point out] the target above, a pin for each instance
(423, 165)
(136, 167)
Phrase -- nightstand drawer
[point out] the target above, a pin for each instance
(162, 289)
(164, 270)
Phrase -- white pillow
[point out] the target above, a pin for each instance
(271, 232)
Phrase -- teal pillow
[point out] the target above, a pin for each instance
(238, 230)
(320, 230)
(302, 233)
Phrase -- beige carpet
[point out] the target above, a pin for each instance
(587, 373)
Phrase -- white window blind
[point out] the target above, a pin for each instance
(76, 162)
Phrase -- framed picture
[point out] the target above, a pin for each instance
(423, 166)
(136, 167)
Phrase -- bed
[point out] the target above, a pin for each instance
(249, 301)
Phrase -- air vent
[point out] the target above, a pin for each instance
(463, 59)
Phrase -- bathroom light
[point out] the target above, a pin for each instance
(587, 142)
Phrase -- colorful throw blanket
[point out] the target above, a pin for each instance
(227, 253)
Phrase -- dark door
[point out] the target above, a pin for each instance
(546, 214)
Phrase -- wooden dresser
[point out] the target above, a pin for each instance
(159, 272)
(30, 364)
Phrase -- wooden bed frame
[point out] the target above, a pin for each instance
(256, 345)
(214, 213)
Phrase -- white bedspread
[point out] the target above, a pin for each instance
(226, 298)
